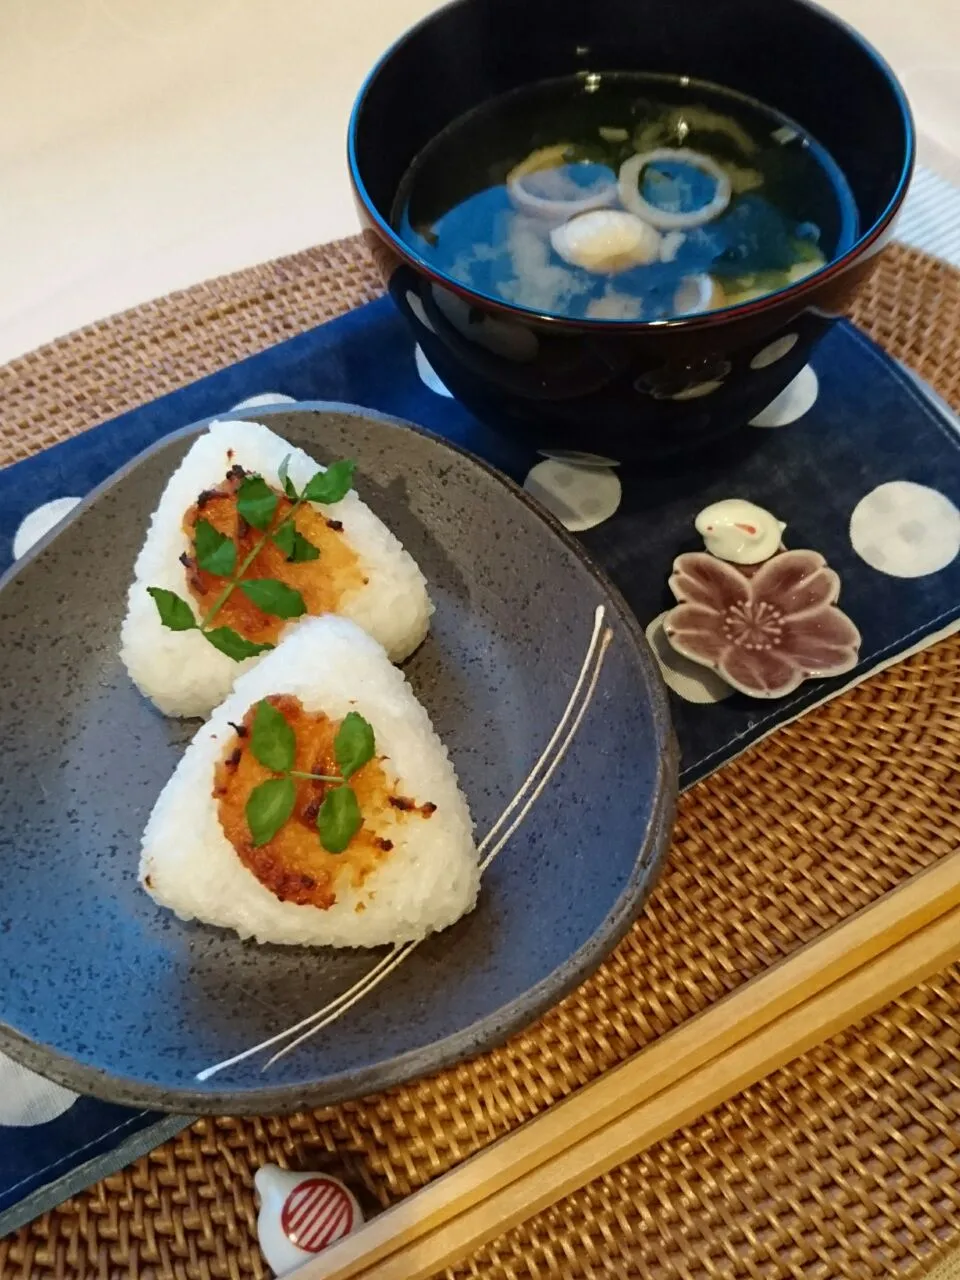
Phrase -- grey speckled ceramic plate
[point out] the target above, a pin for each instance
(106, 992)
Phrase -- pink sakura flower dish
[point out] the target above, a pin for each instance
(764, 630)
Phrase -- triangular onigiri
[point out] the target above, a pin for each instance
(356, 568)
(409, 869)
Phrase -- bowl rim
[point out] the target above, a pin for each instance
(493, 1028)
(799, 291)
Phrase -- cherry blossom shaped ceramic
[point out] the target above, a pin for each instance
(764, 632)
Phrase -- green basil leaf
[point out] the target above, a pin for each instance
(233, 644)
(174, 611)
(272, 740)
(339, 819)
(302, 549)
(268, 807)
(354, 744)
(333, 484)
(273, 597)
(285, 538)
(256, 502)
(216, 553)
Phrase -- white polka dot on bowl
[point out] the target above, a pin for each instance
(775, 351)
(796, 399)
(574, 458)
(416, 306)
(428, 377)
(700, 389)
(906, 530)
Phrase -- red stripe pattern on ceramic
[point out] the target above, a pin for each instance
(317, 1213)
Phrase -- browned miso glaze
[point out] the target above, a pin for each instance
(322, 582)
(294, 865)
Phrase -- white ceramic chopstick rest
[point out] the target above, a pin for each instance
(301, 1214)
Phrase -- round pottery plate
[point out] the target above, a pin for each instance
(108, 993)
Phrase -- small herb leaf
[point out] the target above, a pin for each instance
(233, 644)
(268, 807)
(289, 488)
(294, 545)
(354, 744)
(256, 502)
(174, 611)
(274, 597)
(333, 484)
(302, 549)
(284, 538)
(272, 740)
(216, 553)
(339, 819)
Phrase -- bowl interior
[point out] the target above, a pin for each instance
(788, 54)
(108, 992)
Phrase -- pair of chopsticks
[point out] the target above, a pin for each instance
(890, 946)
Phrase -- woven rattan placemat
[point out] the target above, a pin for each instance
(845, 1164)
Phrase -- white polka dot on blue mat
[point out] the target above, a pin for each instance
(262, 400)
(795, 400)
(689, 680)
(27, 1099)
(428, 377)
(39, 522)
(578, 497)
(905, 529)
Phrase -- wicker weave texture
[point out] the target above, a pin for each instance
(845, 1164)
(119, 363)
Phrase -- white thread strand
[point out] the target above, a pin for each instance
(571, 734)
(401, 955)
(561, 724)
(289, 1031)
(333, 1010)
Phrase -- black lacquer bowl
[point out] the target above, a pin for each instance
(621, 388)
(111, 994)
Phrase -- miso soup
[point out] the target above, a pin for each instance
(625, 197)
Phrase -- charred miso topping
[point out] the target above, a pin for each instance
(406, 805)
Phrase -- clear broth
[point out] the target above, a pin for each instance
(790, 209)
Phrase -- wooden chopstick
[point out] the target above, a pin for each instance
(833, 981)
(872, 986)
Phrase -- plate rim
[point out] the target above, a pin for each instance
(495, 1027)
